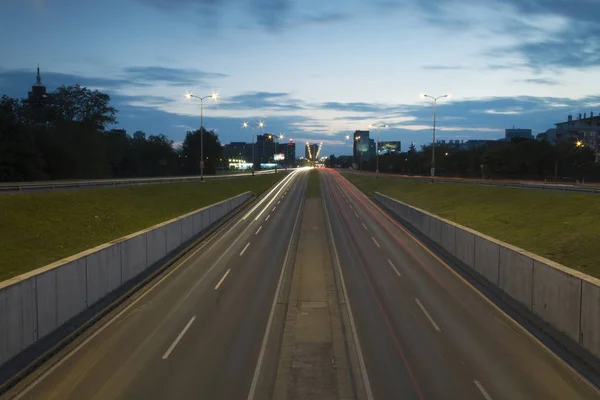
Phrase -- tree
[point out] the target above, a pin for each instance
(190, 150)
(80, 104)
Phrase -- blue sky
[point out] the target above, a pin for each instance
(314, 70)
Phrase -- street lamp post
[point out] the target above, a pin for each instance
(348, 140)
(435, 99)
(212, 96)
(377, 148)
(261, 124)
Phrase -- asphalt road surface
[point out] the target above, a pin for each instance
(198, 332)
(424, 332)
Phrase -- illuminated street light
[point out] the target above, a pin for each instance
(579, 143)
(260, 125)
(213, 96)
(377, 151)
(435, 99)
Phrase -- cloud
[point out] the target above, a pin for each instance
(171, 76)
(331, 17)
(271, 14)
(262, 100)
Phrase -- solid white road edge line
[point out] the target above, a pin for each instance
(164, 357)
(482, 390)
(359, 353)
(245, 247)
(223, 278)
(437, 328)
(265, 340)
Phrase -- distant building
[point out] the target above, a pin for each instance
(290, 152)
(265, 148)
(586, 129)
(238, 151)
(510, 134)
(37, 100)
(387, 147)
(311, 151)
(361, 145)
(453, 143)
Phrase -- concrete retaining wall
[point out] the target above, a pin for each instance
(564, 298)
(35, 304)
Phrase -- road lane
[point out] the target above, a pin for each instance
(215, 356)
(476, 351)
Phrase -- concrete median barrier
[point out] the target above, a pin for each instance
(37, 303)
(564, 299)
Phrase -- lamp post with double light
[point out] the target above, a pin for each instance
(377, 148)
(212, 96)
(435, 99)
(260, 125)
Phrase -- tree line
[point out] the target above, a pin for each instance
(517, 159)
(66, 139)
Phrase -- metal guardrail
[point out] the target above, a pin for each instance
(13, 187)
(518, 185)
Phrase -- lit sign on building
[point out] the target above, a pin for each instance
(279, 157)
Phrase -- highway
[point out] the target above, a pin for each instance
(209, 327)
(424, 332)
(198, 331)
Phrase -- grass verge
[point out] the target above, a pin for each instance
(40, 228)
(562, 227)
(313, 189)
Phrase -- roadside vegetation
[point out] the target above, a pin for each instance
(559, 226)
(38, 229)
(313, 189)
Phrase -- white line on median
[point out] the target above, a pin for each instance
(437, 328)
(258, 230)
(178, 338)
(243, 251)
(268, 216)
(364, 226)
(263, 346)
(223, 278)
(482, 390)
(394, 267)
(375, 241)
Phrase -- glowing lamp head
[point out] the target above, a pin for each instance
(214, 96)
(245, 125)
(448, 95)
(261, 124)
(188, 96)
(347, 137)
(423, 95)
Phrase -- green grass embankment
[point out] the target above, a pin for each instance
(313, 189)
(38, 229)
(562, 227)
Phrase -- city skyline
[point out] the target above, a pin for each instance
(270, 63)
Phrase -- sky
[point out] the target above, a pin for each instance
(314, 70)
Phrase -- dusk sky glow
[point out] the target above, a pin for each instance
(314, 70)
